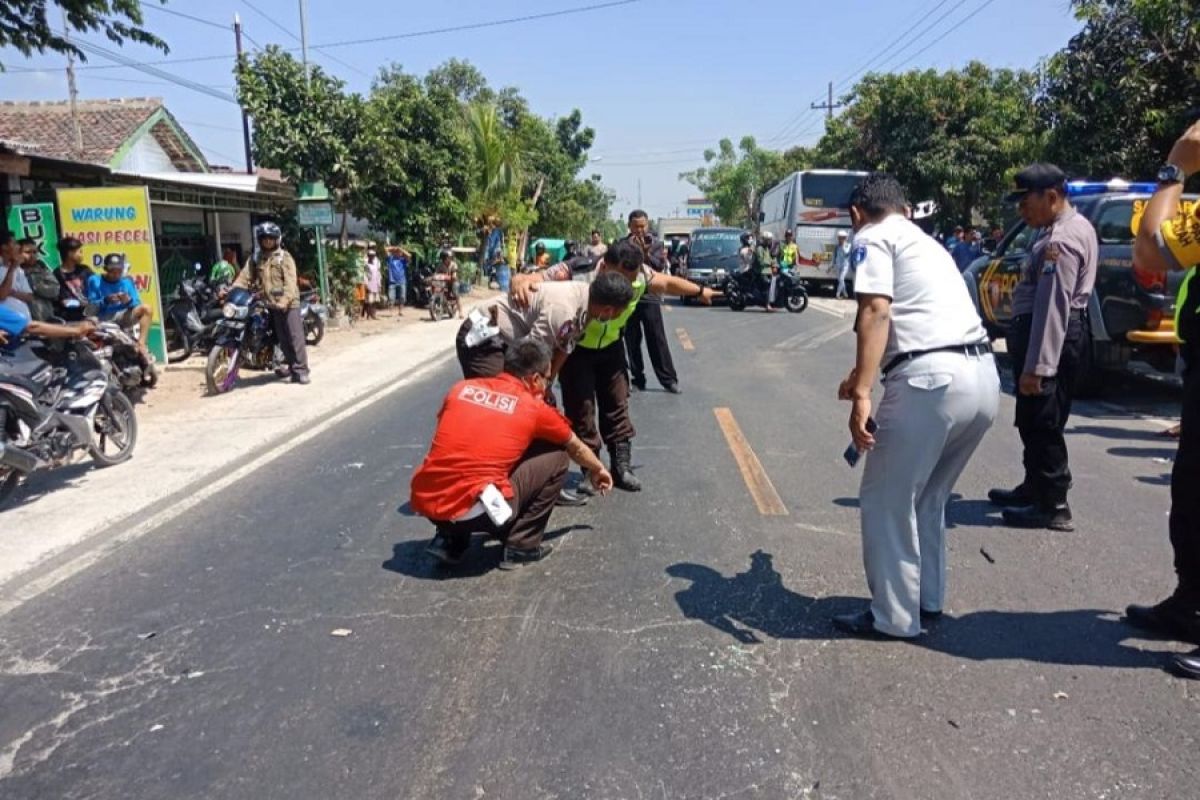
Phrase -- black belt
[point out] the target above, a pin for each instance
(976, 349)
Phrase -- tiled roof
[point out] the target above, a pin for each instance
(46, 129)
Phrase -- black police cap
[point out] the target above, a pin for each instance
(1036, 178)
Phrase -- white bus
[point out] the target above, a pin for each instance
(814, 204)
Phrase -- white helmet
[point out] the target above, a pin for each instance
(768, 236)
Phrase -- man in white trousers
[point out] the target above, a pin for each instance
(917, 324)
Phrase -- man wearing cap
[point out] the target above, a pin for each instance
(646, 322)
(116, 297)
(1045, 343)
(1169, 238)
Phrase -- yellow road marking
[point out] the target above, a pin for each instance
(769, 502)
(684, 339)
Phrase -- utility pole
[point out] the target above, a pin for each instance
(73, 91)
(639, 192)
(237, 35)
(829, 105)
(304, 39)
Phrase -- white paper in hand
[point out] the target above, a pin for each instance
(481, 328)
(498, 509)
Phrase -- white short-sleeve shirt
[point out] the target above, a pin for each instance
(931, 306)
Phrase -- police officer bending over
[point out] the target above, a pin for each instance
(1169, 238)
(941, 391)
(1045, 343)
(498, 461)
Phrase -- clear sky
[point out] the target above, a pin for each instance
(659, 80)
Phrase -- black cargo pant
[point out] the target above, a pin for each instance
(1185, 495)
(485, 360)
(536, 482)
(289, 330)
(1041, 420)
(596, 380)
(647, 317)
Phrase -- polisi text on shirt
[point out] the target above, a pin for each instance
(104, 214)
(504, 403)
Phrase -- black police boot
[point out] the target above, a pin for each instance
(621, 456)
(1174, 618)
(1186, 666)
(1054, 517)
(1011, 498)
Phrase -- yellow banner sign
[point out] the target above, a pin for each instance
(116, 219)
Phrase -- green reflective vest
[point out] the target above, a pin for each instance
(598, 335)
(1187, 307)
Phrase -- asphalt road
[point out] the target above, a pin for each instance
(677, 645)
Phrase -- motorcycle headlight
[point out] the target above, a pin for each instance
(229, 310)
(720, 273)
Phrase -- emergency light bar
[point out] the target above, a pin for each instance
(1088, 188)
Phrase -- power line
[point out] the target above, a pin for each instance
(194, 124)
(155, 72)
(175, 13)
(884, 53)
(945, 33)
(281, 27)
(916, 39)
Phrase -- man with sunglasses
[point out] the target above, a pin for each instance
(498, 461)
(595, 378)
(1045, 343)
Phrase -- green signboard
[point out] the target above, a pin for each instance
(36, 221)
(314, 215)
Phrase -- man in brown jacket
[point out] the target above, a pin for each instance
(272, 271)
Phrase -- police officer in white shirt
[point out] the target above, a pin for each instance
(941, 391)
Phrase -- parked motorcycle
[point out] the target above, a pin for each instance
(418, 291)
(191, 319)
(133, 371)
(744, 289)
(54, 408)
(313, 314)
(243, 339)
(442, 303)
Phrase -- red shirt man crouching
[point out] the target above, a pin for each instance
(498, 460)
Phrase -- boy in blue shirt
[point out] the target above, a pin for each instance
(116, 297)
(398, 277)
(13, 325)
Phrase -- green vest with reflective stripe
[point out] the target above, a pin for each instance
(598, 335)
(1187, 307)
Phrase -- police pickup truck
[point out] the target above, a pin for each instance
(1131, 315)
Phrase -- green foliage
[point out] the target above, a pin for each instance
(1118, 95)
(26, 27)
(735, 179)
(955, 137)
(345, 273)
(495, 163)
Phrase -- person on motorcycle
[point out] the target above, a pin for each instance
(271, 270)
(116, 297)
(766, 269)
(72, 280)
(449, 268)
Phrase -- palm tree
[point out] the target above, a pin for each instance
(496, 163)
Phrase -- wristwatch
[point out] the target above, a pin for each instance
(1171, 173)
(700, 293)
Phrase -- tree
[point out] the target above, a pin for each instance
(25, 26)
(736, 179)
(307, 129)
(1119, 94)
(495, 163)
(955, 137)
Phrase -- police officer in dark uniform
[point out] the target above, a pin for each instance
(1169, 238)
(1045, 343)
(647, 319)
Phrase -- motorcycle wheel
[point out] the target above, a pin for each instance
(797, 302)
(115, 423)
(736, 300)
(179, 344)
(435, 309)
(9, 478)
(219, 375)
(314, 330)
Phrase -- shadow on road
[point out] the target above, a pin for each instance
(973, 513)
(1143, 452)
(1124, 434)
(755, 603)
(410, 559)
(41, 483)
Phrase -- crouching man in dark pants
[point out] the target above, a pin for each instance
(498, 461)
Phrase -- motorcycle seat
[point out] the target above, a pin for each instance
(24, 363)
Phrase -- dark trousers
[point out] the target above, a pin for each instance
(536, 482)
(596, 380)
(485, 360)
(648, 318)
(1185, 495)
(289, 330)
(1041, 420)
